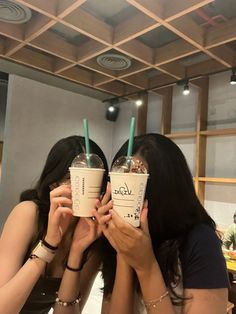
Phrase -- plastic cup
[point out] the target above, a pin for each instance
(128, 189)
(86, 184)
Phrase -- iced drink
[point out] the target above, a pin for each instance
(86, 183)
(128, 186)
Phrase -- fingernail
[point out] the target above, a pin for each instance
(111, 212)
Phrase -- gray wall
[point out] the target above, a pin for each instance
(37, 116)
(121, 126)
(3, 100)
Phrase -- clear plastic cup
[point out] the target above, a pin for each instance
(86, 175)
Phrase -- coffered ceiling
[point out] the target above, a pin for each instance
(141, 44)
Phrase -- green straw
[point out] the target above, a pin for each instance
(131, 137)
(87, 147)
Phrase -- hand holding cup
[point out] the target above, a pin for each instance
(60, 214)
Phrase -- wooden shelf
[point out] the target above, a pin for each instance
(181, 135)
(219, 132)
(217, 180)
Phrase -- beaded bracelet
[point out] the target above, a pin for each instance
(153, 303)
(65, 303)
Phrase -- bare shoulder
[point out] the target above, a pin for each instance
(18, 232)
(25, 216)
(26, 207)
(24, 210)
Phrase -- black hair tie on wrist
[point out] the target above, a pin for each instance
(49, 246)
(82, 263)
(74, 269)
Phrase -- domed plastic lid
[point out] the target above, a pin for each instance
(126, 164)
(87, 161)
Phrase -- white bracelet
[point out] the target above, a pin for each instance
(43, 252)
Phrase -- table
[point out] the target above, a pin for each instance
(231, 266)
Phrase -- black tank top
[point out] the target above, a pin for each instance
(42, 297)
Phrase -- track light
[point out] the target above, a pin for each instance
(139, 102)
(233, 77)
(186, 90)
(140, 99)
(184, 83)
(112, 110)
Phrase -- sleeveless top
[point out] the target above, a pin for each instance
(42, 297)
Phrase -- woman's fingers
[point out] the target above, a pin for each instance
(62, 190)
(98, 203)
(105, 219)
(105, 209)
(102, 219)
(144, 220)
(60, 212)
(107, 195)
(59, 202)
(145, 204)
(122, 226)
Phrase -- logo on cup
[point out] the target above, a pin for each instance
(76, 192)
(140, 198)
(123, 190)
(83, 186)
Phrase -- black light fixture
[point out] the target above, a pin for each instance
(112, 110)
(139, 100)
(184, 83)
(186, 90)
(233, 77)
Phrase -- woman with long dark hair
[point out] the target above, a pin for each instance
(173, 263)
(66, 258)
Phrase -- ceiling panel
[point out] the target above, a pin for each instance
(160, 42)
(158, 37)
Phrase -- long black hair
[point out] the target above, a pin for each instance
(173, 206)
(56, 168)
